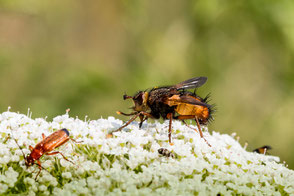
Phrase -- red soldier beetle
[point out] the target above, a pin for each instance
(45, 147)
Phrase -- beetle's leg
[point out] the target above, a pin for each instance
(40, 169)
(43, 136)
(31, 148)
(170, 117)
(57, 152)
(75, 141)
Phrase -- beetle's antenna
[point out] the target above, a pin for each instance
(24, 156)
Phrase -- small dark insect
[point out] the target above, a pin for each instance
(171, 102)
(165, 152)
(48, 144)
(263, 149)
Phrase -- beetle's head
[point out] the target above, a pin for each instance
(29, 161)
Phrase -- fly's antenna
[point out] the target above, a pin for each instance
(127, 97)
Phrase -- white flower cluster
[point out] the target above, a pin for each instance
(128, 163)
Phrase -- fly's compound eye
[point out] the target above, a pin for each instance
(138, 98)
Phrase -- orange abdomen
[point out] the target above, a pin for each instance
(189, 106)
(201, 112)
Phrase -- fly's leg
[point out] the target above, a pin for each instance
(141, 116)
(201, 134)
(142, 119)
(170, 117)
(127, 123)
(183, 117)
(134, 118)
(187, 125)
(125, 114)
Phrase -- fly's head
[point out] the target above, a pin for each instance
(140, 100)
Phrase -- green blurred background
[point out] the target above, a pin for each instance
(84, 55)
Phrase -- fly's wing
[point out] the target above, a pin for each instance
(191, 83)
(178, 99)
(193, 101)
